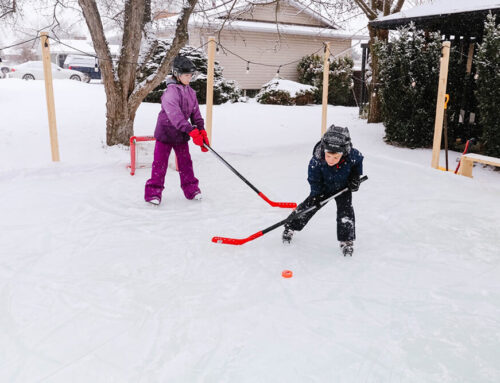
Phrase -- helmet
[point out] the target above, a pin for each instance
(183, 65)
(337, 140)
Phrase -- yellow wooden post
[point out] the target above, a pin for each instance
(49, 95)
(324, 103)
(210, 86)
(438, 124)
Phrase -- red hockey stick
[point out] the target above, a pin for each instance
(289, 205)
(472, 141)
(235, 241)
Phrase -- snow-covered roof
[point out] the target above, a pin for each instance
(79, 47)
(215, 20)
(256, 26)
(296, 4)
(443, 7)
(200, 21)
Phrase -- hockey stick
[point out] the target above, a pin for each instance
(290, 205)
(472, 141)
(235, 241)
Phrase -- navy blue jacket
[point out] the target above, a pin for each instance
(328, 180)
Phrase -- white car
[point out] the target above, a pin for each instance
(33, 70)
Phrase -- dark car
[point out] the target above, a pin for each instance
(85, 64)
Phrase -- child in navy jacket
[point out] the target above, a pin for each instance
(335, 165)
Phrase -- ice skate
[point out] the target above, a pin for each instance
(347, 248)
(154, 201)
(287, 235)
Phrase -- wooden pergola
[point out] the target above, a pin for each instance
(461, 24)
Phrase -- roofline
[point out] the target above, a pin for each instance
(295, 3)
(395, 22)
(285, 29)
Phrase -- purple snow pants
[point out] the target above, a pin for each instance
(155, 185)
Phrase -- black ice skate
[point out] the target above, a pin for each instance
(287, 235)
(347, 248)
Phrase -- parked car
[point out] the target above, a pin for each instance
(4, 68)
(84, 64)
(33, 70)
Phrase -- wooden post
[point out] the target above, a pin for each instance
(49, 95)
(324, 103)
(469, 58)
(438, 124)
(210, 86)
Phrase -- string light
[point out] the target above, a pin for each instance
(278, 71)
(413, 84)
(476, 76)
(217, 50)
(248, 67)
(96, 69)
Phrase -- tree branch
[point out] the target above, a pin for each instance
(94, 23)
(8, 10)
(372, 15)
(131, 43)
(180, 39)
(225, 19)
(398, 6)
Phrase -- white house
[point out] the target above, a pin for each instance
(274, 34)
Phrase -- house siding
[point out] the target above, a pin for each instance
(286, 14)
(268, 48)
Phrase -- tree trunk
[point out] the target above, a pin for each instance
(123, 95)
(375, 112)
(119, 122)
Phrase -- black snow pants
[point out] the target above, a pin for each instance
(345, 216)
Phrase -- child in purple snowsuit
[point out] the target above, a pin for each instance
(178, 105)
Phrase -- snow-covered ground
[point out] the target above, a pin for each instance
(96, 286)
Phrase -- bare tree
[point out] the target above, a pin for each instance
(373, 9)
(7, 7)
(345, 9)
(123, 93)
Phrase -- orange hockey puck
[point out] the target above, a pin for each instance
(287, 273)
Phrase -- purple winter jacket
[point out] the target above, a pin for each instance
(178, 105)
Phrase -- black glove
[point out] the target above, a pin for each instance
(353, 182)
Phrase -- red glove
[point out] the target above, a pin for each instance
(205, 140)
(196, 136)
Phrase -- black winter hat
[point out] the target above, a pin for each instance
(337, 140)
(183, 65)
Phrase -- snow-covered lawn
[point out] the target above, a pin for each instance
(96, 286)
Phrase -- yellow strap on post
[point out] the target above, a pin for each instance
(446, 99)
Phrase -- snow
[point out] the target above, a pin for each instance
(98, 286)
(443, 7)
(483, 158)
(292, 87)
(199, 21)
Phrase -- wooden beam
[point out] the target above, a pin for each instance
(326, 72)
(469, 58)
(210, 86)
(438, 124)
(49, 95)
